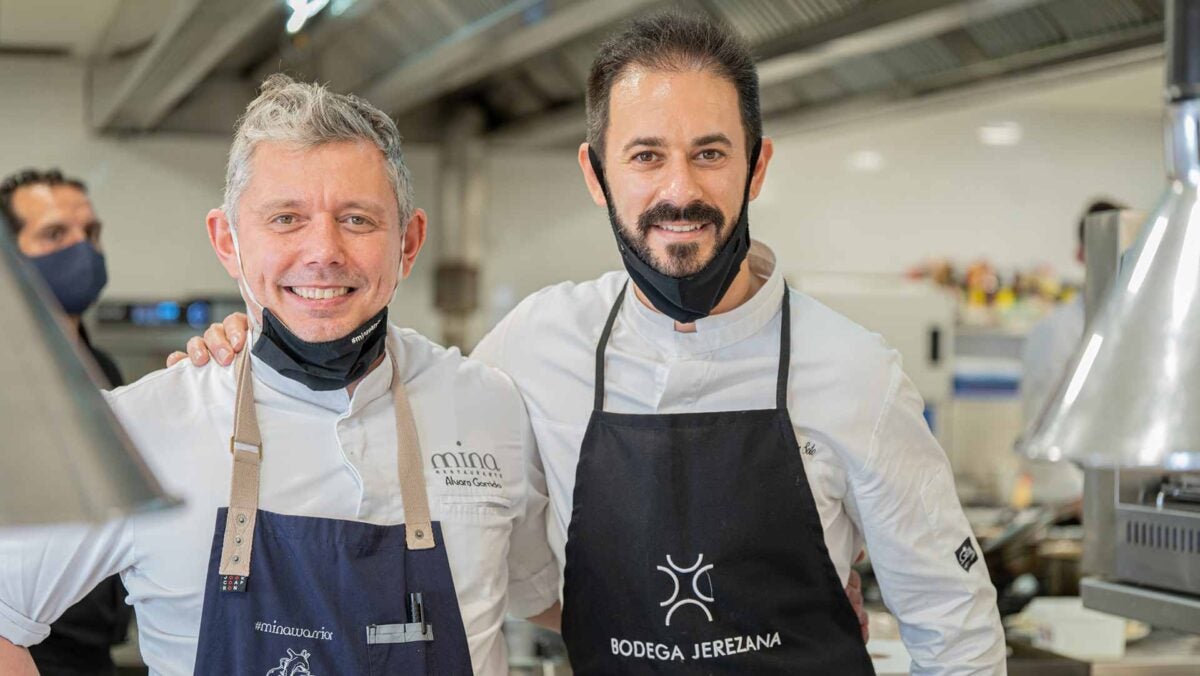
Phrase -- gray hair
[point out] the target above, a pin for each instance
(308, 114)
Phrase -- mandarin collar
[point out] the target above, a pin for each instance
(715, 331)
(375, 384)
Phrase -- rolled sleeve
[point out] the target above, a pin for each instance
(928, 564)
(20, 630)
(47, 569)
(532, 569)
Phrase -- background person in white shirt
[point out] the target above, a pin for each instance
(319, 228)
(1044, 359)
(728, 466)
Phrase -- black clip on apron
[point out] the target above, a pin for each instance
(695, 547)
(323, 597)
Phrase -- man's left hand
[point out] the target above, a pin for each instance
(854, 593)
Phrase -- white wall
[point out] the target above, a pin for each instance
(151, 193)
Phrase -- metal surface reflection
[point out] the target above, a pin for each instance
(1133, 389)
(64, 457)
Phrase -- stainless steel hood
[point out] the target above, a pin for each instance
(63, 456)
(1131, 396)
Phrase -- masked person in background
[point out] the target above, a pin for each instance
(717, 446)
(56, 228)
(357, 500)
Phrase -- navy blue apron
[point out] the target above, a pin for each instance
(304, 596)
(695, 546)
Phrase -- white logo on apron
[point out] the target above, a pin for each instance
(697, 572)
(295, 664)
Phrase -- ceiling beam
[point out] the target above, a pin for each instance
(472, 56)
(881, 37)
(1018, 81)
(137, 94)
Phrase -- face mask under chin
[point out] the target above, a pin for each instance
(321, 366)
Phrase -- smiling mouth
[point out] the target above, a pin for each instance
(680, 227)
(320, 292)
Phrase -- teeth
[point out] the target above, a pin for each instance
(681, 228)
(315, 293)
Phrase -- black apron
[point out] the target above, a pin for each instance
(695, 546)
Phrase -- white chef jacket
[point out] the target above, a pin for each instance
(325, 454)
(1044, 359)
(874, 467)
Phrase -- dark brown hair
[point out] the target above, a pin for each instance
(31, 177)
(673, 42)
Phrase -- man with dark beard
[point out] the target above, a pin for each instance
(718, 447)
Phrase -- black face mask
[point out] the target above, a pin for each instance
(332, 365)
(685, 299)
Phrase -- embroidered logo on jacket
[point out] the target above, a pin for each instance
(295, 664)
(698, 573)
(966, 555)
(462, 467)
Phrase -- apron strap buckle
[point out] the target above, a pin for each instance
(235, 446)
(419, 535)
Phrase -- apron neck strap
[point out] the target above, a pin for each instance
(418, 523)
(603, 344)
(785, 349)
(246, 446)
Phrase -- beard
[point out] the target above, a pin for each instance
(681, 260)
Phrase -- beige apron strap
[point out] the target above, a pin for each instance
(417, 522)
(246, 446)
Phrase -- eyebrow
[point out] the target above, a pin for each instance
(659, 142)
(281, 204)
(352, 204)
(651, 141)
(711, 139)
(362, 206)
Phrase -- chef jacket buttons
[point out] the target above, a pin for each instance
(237, 540)
(241, 518)
(236, 558)
(420, 533)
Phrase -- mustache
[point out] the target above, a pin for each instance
(696, 212)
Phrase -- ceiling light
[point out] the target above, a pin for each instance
(302, 11)
(865, 160)
(1000, 134)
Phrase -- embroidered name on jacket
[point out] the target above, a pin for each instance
(462, 467)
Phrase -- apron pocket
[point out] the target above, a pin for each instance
(398, 649)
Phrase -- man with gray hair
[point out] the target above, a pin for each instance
(378, 501)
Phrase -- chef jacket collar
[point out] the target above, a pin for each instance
(715, 331)
(375, 384)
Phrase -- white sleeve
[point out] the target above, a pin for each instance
(929, 566)
(47, 569)
(532, 570)
(490, 348)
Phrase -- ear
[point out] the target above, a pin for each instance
(220, 235)
(414, 239)
(590, 178)
(760, 170)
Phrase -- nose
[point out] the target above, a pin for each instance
(324, 243)
(73, 236)
(680, 185)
